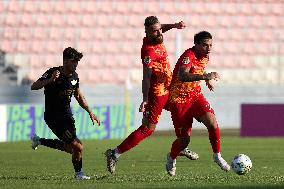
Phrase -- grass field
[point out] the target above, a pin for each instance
(144, 166)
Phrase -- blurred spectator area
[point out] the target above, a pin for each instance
(248, 36)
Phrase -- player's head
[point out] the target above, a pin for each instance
(71, 57)
(203, 43)
(153, 29)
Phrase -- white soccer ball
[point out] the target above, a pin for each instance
(241, 164)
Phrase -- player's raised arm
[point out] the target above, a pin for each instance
(167, 27)
(83, 103)
(185, 75)
(45, 80)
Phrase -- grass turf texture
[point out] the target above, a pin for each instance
(144, 166)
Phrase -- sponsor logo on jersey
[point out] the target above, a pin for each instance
(147, 60)
(185, 60)
(73, 82)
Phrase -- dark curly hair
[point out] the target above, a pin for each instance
(70, 53)
(200, 36)
(150, 20)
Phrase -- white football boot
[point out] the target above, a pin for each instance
(171, 165)
(81, 176)
(35, 141)
(221, 162)
(189, 154)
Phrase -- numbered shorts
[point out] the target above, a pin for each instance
(63, 126)
(183, 114)
(154, 108)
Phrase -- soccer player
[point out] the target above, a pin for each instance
(155, 88)
(186, 100)
(60, 84)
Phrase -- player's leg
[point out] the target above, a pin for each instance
(77, 159)
(131, 141)
(53, 123)
(150, 119)
(182, 124)
(205, 114)
(51, 143)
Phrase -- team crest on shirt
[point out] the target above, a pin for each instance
(147, 60)
(73, 82)
(185, 60)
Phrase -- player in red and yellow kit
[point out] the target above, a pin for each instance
(155, 88)
(186, 100)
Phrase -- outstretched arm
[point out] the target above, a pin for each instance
(83, 103)
(167, 27)
(185, 75)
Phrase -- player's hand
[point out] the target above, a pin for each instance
(94, 118)
(180, 25)
(142, 106)
(209, 84)
(55, 75)
(212, 75)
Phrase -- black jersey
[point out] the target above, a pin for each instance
(58, 93)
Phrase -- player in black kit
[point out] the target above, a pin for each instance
(60, 84)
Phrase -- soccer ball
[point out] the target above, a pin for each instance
(241, 164)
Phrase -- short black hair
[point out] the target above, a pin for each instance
(150, 20)
(70, 53)
(200, 36)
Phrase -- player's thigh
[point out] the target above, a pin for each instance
(182, 120)
(202, 110)
(63, 127)
(154, 109)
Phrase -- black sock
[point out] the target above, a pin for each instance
(52, 143)
(77, 165)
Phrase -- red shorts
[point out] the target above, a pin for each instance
(154, 108)
(183, 114)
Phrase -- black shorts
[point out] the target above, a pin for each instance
(63, 126)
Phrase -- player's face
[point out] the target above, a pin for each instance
(154, 33)
(70, 65)
(204, 48)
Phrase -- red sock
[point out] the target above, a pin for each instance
(214, 137)
(176, 149)
(134, 138)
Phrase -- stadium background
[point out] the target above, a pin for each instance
(248, 53)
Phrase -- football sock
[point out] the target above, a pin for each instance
(176, 149)
(134, 138)
(116, 153)
(52, 143)
(77, 165)
(214, 137)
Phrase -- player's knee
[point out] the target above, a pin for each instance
(151, 126)
(77, 147)
(211, 123)
(146, 123)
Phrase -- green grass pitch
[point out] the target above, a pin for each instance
(144, 166)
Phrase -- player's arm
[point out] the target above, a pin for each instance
(167, 27)
(209, 84)
(147, 72)
(83, 103)
(43, 81)
(185, 75)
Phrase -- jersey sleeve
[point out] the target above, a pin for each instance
(46, 74)
(148, 57)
